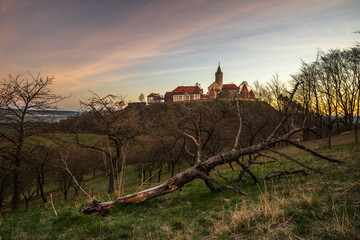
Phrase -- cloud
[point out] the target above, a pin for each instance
(88, 44)
(5, 5)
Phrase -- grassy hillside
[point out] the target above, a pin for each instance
(308, 206)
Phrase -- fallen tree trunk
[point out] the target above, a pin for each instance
(203, 169)
(102, 207)
(200, 171)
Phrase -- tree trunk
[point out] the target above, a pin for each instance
(357, 119)
(37, 186)
(329, 125)
(172, 169)
(159, 175)
(1, 201)
(16, 189)
(321, 127)
(167, 187)
(347, 121)
(2, 192)
(111, 183)
(305, 131)
(199, 147)
(40, 182)
(337, 121)
(329, 137)
(76, 192)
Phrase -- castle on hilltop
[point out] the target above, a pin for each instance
(195, 93)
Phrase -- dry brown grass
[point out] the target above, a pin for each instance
(267, 217)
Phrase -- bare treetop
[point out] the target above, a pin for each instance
(22, 93)
(23, 100)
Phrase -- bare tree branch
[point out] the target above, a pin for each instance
(63, 159)
(240, 123)
(313, 153)
(279, 174)
(203, 176)
(295, 161)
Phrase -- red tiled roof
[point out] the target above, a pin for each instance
(252, 94)
(153, 95)
(229, 86)
(189, 89)
(244, 89)
(212, 90)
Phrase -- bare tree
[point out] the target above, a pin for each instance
(173, 149)
(69, 166)
(200, 123)
(344, 74)
(5, 183)
(353, 58)
(203, 169)
(141, 97)
(117, 124)
(276, 89)
(28, 188)
(23, 103)
(263, 93)
(327, 98)
(305, 94)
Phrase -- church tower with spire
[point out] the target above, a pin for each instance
(219, 77)
(218, 84)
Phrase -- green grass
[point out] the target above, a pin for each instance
(309, 206)
(83, 138)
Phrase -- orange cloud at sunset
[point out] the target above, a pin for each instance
(125, 46)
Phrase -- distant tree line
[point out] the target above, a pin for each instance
(328, 98)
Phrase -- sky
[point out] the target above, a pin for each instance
(144, 46)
